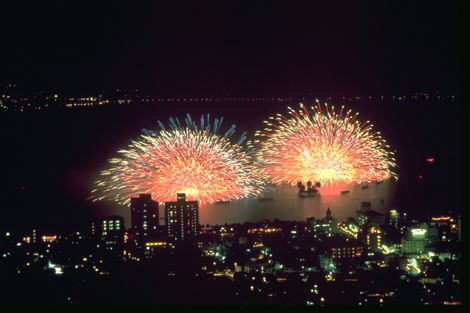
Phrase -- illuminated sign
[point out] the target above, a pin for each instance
(354, 228)
(49, 238)
(441, 218)
(155, 244)
(418, 232)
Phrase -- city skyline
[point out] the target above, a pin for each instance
(332, 256)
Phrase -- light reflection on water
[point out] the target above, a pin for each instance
(286, 205)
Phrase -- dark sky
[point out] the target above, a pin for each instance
(222, 47)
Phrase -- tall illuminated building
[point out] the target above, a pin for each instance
(394, 217)
(327, 226)
(144, 217)
(182, 219)
(112, 232)
(416, 240)
(448, 227)
(374, 238)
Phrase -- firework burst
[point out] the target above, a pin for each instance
(322, 145)
(192, 158)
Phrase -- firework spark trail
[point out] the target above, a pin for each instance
(321, 145)
(192, 158)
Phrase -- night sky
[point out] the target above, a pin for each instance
(221, 47)
(218, 49)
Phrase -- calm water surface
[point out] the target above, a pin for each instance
(286, 205)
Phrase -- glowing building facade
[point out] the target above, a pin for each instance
(374, 238)
(182, 219)
(144, 217)
(112, 232)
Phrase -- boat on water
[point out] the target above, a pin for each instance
(378, 182)
(308, 191)
(305, 194)
(365, 187)
(345, 192)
